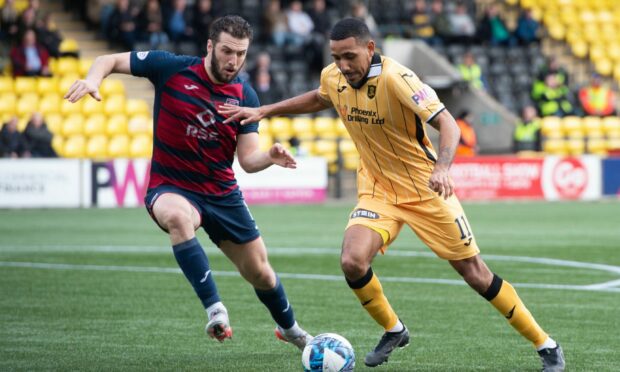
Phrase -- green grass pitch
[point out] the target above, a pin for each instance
(90, 290)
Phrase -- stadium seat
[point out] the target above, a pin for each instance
(25, 85)
(23, 121)
(280, 127)
(592, 126)
(118, 146)
(95, 125)
(572, 126)
(67, 66)
(263, 126)
(91, 106)
(8, 101)
(73, 125)
(114, 104)
(347, 147)
(611, 126)
(325, 127)
(27, 104)
(597, 146)
(65, 83)
(303, 128)
(117, 125)
(54, 122)
(613, 145)
(68, 108)
(49, 104)
(141, 146)
(576, 146)
(111, 86)
(140, 124)
(327, 149)
(603, 66)
(84, 66)
(74, 147)
(97, 147)
(47, 86)
(551, 127)
(341, 129)
(69, 46)
(58, 143)
(555, 146)
(6, 84)
(135, 106)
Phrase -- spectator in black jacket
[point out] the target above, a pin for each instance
(12, 144)
(38, 138)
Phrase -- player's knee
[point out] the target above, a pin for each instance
(353, 268)
(175, 220)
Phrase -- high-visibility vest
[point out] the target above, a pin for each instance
(467, 142)
(554, 100)
(597, 100)
(526, 135)
(472, 74)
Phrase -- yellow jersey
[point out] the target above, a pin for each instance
(386, 119)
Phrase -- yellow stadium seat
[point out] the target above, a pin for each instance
(23, 121)
(67, 66)
(598, 51)
(111, 86)
(74, 147)
(611, 126)
(97, 147)
(604, 66)
(263, 126)
(280, 127)
(21, 5)
(25, 85)
(592, 126)
(6, 84)
(47, 85)
(325, 127)
(576, 146)
(68, 108)
(306, 147)
(572, 126)
(557, 31)
(303, 127)
(8, 101)
(117, 124)
(114, 104)
(73, 125)
(579, 48)
(141, 146)
(69, 45)
(84, 66)
(341, 129)
(347, 147)
(58, 144)
(95, 125)
(551, 126)
(65, 83)
(613, 144)
(555, 146)
(118, 146)
(27, 104)
(135, 106)
(597, 146)
(140, 124)
(54, 122)
(327, 149)
(49, 104)
(91, 106)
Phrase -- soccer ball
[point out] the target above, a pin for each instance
(328, 352)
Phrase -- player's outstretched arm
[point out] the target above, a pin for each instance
(101, 68)
(449, 134)
(302, 104)
(252, 159)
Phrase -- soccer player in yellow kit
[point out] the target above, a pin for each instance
(401, 180)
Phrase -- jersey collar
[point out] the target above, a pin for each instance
(374, 70)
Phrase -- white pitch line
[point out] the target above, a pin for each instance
(168, 270)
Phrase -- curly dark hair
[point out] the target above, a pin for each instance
(231, 24)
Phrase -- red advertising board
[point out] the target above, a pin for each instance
(489, 178)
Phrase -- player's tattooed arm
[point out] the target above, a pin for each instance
(449, 134)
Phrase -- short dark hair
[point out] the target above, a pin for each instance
(234, 25)
(350, 27)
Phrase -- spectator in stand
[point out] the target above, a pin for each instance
(468, 142)
(441, 22)
(9, 20)
(30, 58)
(553, 67)
(11, 140)
(462, 26)
(48, 35)
(527, 28)
(320, 17)
(300, 24)
(204, 15)
(555, 99)
(122, 25)
(360, 11)
(267, 91)
(527, 132)
(263, 63)
(179, 22)
(322, 25)
(597, 99)
(150, 24)
(39, 138)
(295, 147)
(471, 71)
(493, 29)
(27, 21)
(421, 23)
(275, 24)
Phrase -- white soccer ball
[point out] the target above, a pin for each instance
(328, 352)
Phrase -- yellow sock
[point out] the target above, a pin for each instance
(370, 293)
(503, 296)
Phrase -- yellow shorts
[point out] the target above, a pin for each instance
(440, 224)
